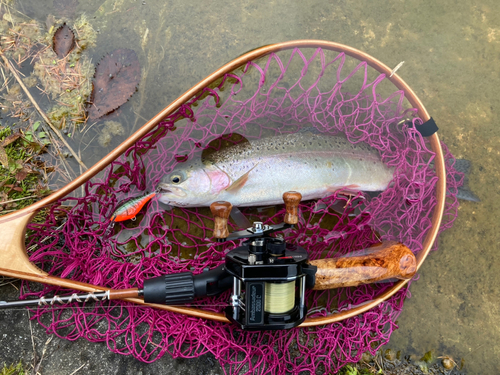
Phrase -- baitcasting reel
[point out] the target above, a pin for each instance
(268, 276)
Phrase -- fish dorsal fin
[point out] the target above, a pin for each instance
(240, 182)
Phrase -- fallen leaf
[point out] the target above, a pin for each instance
(17, 188)
(63, 41)
(4, 159)
(116, 78)
(65, 8)
(10, 139)
(21, 175)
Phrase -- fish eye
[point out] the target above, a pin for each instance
(175, 179)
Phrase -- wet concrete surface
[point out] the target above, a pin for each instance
(19, 340)
(451, 51)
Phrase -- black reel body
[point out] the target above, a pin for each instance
(268, 276)
(269, 283)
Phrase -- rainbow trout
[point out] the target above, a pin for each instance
(258, 173)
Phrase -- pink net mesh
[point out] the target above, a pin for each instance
(280, 93)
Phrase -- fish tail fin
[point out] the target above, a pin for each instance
(464, 192)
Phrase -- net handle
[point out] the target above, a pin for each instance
(13, 256)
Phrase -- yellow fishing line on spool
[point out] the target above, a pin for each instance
(280, 298)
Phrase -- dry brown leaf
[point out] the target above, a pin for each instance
(10, 139)
(116, 78)
(63, 41)
(21, 175)
(4, 159)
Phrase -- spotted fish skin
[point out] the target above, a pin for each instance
(258, 173)
(131, 208)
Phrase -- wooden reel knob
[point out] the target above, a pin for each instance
(292, 200)
(221, 211)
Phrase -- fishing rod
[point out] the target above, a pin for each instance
(268, 276)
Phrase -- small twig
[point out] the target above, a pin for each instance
(35, 246)
(5, 85)
(63, 160)
(396, 68)
(79, 368)
(87, 127)
(22, 14)
(11, 283)
(35, 369)
(83, 189)
(18, 199)
(32, 340)
(44, 116)
(138, 115)
(5, 81)
(92, 140)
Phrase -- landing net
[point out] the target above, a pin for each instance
(280, 93)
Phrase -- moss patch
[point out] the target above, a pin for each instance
(13, 369)
(22, 172)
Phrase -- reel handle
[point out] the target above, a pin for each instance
(221, 211)
(292, 200)
(384, 261)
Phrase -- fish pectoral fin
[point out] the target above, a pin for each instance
(345, 190)
(240, 182)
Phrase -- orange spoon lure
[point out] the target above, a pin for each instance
(130, 209)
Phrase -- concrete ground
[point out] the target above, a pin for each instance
(451, 50)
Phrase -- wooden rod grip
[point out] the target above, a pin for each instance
(123, 293)
(292, 200)
(387, 260)
(221, 211)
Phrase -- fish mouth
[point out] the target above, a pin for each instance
(164, 189)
